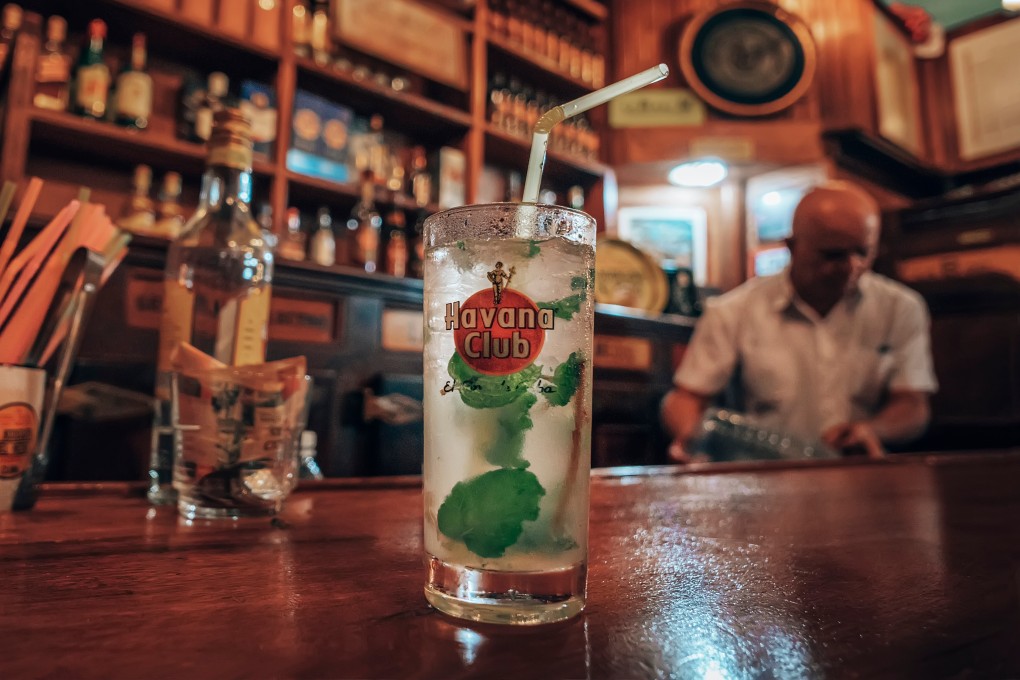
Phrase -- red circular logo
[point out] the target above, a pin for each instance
(499, 339)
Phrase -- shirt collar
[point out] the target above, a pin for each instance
(786, 296)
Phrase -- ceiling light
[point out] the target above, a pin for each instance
(1011, 5)
(704, 173)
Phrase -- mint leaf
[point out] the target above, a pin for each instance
(514, 421)
(461, 245)
(565, 308)
(566, 378)
(533, 249)
(478, 390)
(579, 283)
(487, 512)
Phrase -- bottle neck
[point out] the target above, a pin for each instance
(138, 59)
(225, 186)
(94, 54)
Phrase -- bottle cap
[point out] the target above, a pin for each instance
(12, 17)
(172, 184)
(219, 84)
(56, 28)
(230, 143)
(309, 439)
(97, 29)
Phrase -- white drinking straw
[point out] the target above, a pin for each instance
(540, 140)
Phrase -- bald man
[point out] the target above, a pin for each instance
(827, 349)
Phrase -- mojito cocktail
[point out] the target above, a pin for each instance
(508, 370)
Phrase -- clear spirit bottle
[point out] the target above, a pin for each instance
(217, 283)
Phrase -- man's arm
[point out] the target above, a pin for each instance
(681, 413)
(903, 418)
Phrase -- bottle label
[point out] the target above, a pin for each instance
(53, 68)
(18, 426)
(230, 156)
(250, 330)
(498, 330)
(93, 87)
(134, 96)
(176, 323)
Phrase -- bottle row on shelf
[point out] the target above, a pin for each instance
(311, 37)
(554, 33)
(515, 107)
(370, 240)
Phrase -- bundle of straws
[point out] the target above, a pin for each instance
(44, 284)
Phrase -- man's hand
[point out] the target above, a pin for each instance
(855, 437)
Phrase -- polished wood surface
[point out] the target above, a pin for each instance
(901, 569)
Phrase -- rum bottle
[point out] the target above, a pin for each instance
(92, 78)
(132, 99)
(216, 286)
(364, 226)
(53, 68)
(140, 214)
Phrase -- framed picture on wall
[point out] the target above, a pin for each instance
(897, 95)
(670, 235)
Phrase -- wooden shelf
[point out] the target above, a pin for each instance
(539, 70)
(891, 166)
(512, 151)
(144, 18)
(595, 10)
(317, 188)
(401, 110)
(135, 146)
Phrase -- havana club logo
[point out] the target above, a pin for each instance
(498, 331)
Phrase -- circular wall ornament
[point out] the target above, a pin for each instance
(748, 58)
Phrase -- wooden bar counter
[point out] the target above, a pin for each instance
(905, 568)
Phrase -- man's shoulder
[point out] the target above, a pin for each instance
(752, 292)
(889, 293)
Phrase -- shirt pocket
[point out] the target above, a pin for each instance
(870, 373)
(768, 378)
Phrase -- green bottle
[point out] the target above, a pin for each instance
(92, 78)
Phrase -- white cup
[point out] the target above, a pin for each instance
(22, 391)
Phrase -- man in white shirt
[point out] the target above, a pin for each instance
(827, 349)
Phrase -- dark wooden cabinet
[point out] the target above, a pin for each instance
(354, 362)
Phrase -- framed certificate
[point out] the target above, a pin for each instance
(897, 96)
(668, 234)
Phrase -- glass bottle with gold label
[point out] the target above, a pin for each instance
(132, 100)
(170, 214)
(217, 283)
(92, 79)
(53, 68)
(140, 214)
(364, 227)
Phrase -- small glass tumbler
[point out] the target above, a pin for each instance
(237, 450)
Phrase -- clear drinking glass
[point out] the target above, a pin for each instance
(508, 351)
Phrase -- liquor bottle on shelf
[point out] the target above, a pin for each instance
(217, 284)
(169, 213)
(322, 45)
(140, 214)
(497, 17)
(498, 96)
(301, 29)
(575, 197)
(92, 78)
(363, 227)
(514, 25)
(292, 243)
(10, 24)
(420, 181)
(323, 248)
(395, 226)
(218, 86)
(563, 42)
(53, 68)
(132, 99)
(551, 49)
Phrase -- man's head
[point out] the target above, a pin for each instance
(835, 235)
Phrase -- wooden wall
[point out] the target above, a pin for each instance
(648, 32)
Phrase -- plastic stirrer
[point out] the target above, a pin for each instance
(540, 139)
